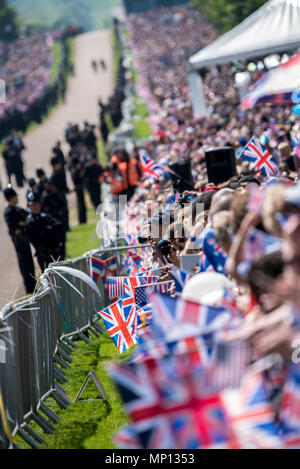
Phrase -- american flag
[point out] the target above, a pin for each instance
(117, 285)
(227, 367)
(151, 169)
(261, 158)
(142, 294)
(119, 320)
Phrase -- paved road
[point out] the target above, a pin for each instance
(85, 88)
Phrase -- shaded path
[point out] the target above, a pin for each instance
(84, 90)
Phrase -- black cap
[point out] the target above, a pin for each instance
(32, 197)
(9, 193)
(31, 182)
(40, 172)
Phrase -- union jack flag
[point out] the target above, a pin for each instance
(180, 278)
(261, 158)
(251, 414)
(167, 407)
(174, 318)
(119, 320)
(151, 169)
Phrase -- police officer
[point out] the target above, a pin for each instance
(93, 171)
(41, 175)
(15, 218)
(58, 178)
(52, 204)
(44, 233)
(13, 161)
(77, 174)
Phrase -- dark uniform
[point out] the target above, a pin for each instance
(15, 218)
(52, 204)
(58, 179)
(93, 171)
(45, 233)
(13, 162)
(77, 174)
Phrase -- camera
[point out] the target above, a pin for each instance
(142, 239)
(165, 247)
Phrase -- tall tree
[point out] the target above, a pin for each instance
(225, 14)
(9, 22)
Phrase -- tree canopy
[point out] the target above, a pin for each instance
(9, 22)
(225, 14)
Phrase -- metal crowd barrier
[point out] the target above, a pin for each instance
(36, 343)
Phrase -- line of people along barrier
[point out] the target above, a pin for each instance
(37, 340)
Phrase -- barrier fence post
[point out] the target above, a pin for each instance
(37, 340)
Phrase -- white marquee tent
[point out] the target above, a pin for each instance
(275, 27)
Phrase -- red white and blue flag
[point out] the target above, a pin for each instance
(180, 278)
(119, 320)
(98, 270)
(118, 285)
(175, 319)
(151, 169)
(101, 268)
(260, 157)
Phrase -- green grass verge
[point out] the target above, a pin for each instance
(82, 238)
(87, 424)
(57, 58)
(102, 152)
(142, 129)
(117, 55)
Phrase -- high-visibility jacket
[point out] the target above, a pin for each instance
(133, 172)
(120, 182)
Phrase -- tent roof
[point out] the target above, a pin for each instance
(275, 27)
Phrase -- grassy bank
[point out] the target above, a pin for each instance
(82, 238)
(90, 423)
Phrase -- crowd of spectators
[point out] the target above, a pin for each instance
(248, 228)
(162, 44)
(26, 66)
